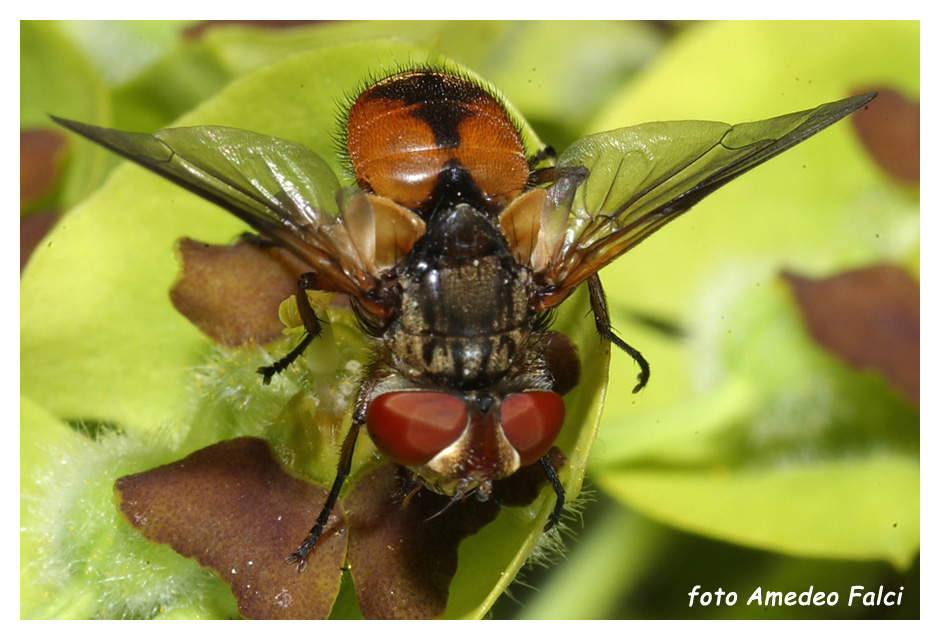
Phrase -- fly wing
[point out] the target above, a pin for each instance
(614, 189)
(281, 189)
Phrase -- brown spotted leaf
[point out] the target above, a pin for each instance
(231, 507)
(889, 128)
(870, 318)
(232, 293)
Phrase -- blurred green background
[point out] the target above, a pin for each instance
(755, 458)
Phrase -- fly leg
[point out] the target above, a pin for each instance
(366, 394)
(545, 175)
(299, 557)
(306, 282)
(602, 320)
(559, 491)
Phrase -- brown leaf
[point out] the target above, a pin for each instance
(232, 293)
(40, 164)
(402, 559)
(870, 318)
(231, 507)
(524, 486)
(561, 355)
(403, 551)
(889, 128)
(33, 229)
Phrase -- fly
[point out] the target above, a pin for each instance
(454, 247)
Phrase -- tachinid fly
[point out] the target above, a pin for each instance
(454, 247)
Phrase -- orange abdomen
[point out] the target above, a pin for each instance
(405, 130)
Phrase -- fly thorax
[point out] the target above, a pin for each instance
(464, 315)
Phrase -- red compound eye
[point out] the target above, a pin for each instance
(411, 427)
(531, 422)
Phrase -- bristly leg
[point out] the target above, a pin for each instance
(545, 153)
(306, 282)
(559, 491)
(545, 175)
(299, 557)
(602, 321)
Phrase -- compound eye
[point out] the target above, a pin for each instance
(532, 421)
(411, 427)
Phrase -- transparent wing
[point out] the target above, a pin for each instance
(283, 190)
(614, 189)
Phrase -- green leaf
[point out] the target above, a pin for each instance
(883, 525)
(786, 410)
(122, 49)
(67, 78)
